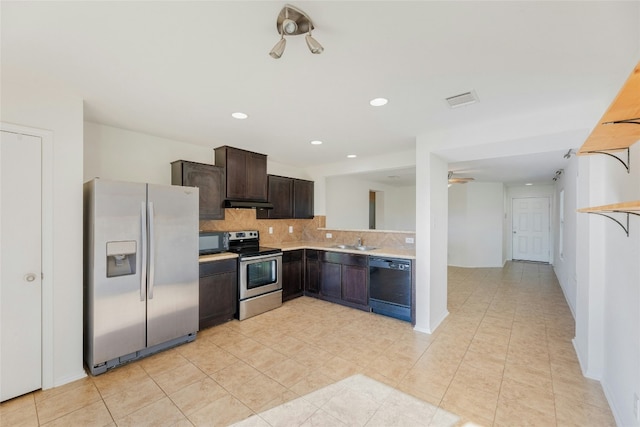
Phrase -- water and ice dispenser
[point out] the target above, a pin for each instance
(121, 258)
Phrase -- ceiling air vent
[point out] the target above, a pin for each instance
(462, 99)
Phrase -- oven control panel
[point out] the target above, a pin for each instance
(242, 235)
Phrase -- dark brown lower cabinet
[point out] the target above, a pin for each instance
(354, 284)
(311, 272)
(343, 278)
(331, 280)
(218, 292)
(292, 274)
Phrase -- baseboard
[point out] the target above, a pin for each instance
(573, 313)
(434, 326)
(69, 379)
(614, 410)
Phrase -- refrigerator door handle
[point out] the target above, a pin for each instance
(143, 250)
(152, 258)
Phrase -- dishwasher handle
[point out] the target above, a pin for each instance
(391, 264)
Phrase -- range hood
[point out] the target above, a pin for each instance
(247, 204)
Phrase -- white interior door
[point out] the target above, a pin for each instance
(531, 230)
(20, 264)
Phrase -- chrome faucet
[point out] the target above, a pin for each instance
(359, 241)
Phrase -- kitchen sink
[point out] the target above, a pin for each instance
(358, 247)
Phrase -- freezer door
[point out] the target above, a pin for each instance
(115, 311)
(172, 289)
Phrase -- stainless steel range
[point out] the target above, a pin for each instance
(259, 274)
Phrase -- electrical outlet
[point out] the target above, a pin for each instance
(636, 406)
(409, 240)
(291, 229)
(270, 230)
(328, 235)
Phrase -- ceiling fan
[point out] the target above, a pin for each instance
(460, 180)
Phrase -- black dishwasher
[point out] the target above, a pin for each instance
(390, 287)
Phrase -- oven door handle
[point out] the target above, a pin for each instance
(260, 257)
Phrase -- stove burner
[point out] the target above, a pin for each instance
(247, 244)
(251, 251)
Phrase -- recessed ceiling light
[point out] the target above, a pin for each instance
(529, 183)
(238, 115)
(316, 142)
(378, 102)
(351, 156)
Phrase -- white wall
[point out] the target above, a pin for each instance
(590, 275)
(431, 237)
(476, 212)
(390, 161)
(347, 206)
(457, 218)
(608, 292)
(31, 101)
(113, 153)
(400, 209)
(565, 261)
(124, 155)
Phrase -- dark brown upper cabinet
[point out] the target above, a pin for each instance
(291, 198)
(210, 181)
(280, 194)
(246, 173)
(302, 199)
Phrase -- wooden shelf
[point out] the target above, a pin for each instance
(615, 207)
(626, 208)
(619, 128)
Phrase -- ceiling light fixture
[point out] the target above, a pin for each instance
(278, 49)
(238, 115)
(378, 102)
(292, 21)
(558, 173)
(316, 142)
(454, 180)
(351, 156)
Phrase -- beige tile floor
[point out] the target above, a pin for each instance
(502, 357)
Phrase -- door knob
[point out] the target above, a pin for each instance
(30, 277)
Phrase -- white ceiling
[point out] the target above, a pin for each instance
(179, 69)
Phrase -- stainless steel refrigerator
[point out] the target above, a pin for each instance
(140, 270)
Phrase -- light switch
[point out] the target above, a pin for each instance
(291, 229)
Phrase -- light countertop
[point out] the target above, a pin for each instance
(292, 246)
(218, 257)
(386, 252)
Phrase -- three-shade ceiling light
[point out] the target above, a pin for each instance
(292, 22)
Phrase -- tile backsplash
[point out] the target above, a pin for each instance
(304, 230)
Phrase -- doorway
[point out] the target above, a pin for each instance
(372, 210)
(531, 229)
(376, 210)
